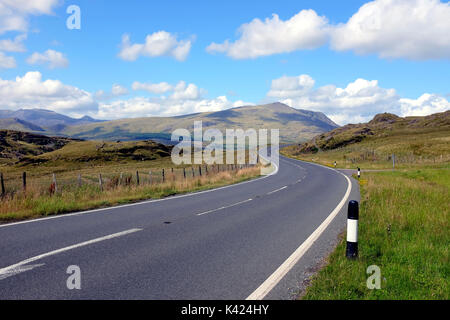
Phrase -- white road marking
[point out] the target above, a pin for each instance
(142, 202)
(276, 277)
(222, 208)
(274, 191)
(22, 264)
(18, 270)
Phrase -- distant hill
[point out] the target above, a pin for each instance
(295, 125)
(19, 125)
(16, 145)
(46, 120)
(380, 128)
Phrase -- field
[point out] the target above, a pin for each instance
(91, 174)
(404, 229)
(428, 147)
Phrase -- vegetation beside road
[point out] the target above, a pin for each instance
(404, 213)
(416, 142)
(80, 166)
(403, 229)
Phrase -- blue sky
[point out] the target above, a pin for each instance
(317, 73)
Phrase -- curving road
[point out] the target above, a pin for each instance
(259, 239)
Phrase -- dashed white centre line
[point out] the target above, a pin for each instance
(274, 191)
(226, 207)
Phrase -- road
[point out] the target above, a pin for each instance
(258, 239)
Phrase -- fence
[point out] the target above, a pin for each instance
(10, 184)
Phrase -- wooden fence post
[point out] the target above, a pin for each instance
(121, 178)
(193, 172)
(163, 176)
(54, 183)
(184, 173)
(206, 169)
(79, 180)
(24, 181)
(137, 177)
(100, 181)
(150, 177)
(200, 170)
(2, 182)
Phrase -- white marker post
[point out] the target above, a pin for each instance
(352, 230)
(359, 173)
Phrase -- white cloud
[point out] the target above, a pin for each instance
(157, 44)
(424, 105)
(359, 101)
(53, 59)
(7, 62)
(412, 29)
(305, 30)
(286, 87)
(14, 13)
(178, 99)
(157, 88)
(118, 90)
(30, 91)
(15, 45)
(147, 107)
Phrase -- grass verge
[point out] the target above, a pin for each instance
(404, 229)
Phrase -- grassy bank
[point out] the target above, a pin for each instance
(404, 229)
(39, 202)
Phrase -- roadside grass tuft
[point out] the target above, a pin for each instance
(404, 229)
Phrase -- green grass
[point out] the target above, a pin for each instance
(404, 229)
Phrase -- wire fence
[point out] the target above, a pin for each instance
(10, 184)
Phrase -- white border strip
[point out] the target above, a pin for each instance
(276, 277)
(11, 269)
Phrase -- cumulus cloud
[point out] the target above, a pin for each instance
(14, 13)
(7, 62)
(305, 30)
(148, 107)
(424, 105)
(30, 91)
(174, 99)
(116, 91)
(156, 88)
(411, 29)
(359, 101)
(53, 59)
(15, 45)
(157, 44)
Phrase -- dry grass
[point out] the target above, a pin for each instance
(38, 201)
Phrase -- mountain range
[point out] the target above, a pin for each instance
(295, 125)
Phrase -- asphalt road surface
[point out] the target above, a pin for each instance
(260, 239)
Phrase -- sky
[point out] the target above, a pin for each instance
(118, 59)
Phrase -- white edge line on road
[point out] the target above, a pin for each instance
(226, 207)
(274, 191)
(12, 269)
(276, 277)
(141, 202)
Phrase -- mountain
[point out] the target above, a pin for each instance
(16, 145)
(295, 125)
(45, 119)
(19, 125)
(387, 132)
